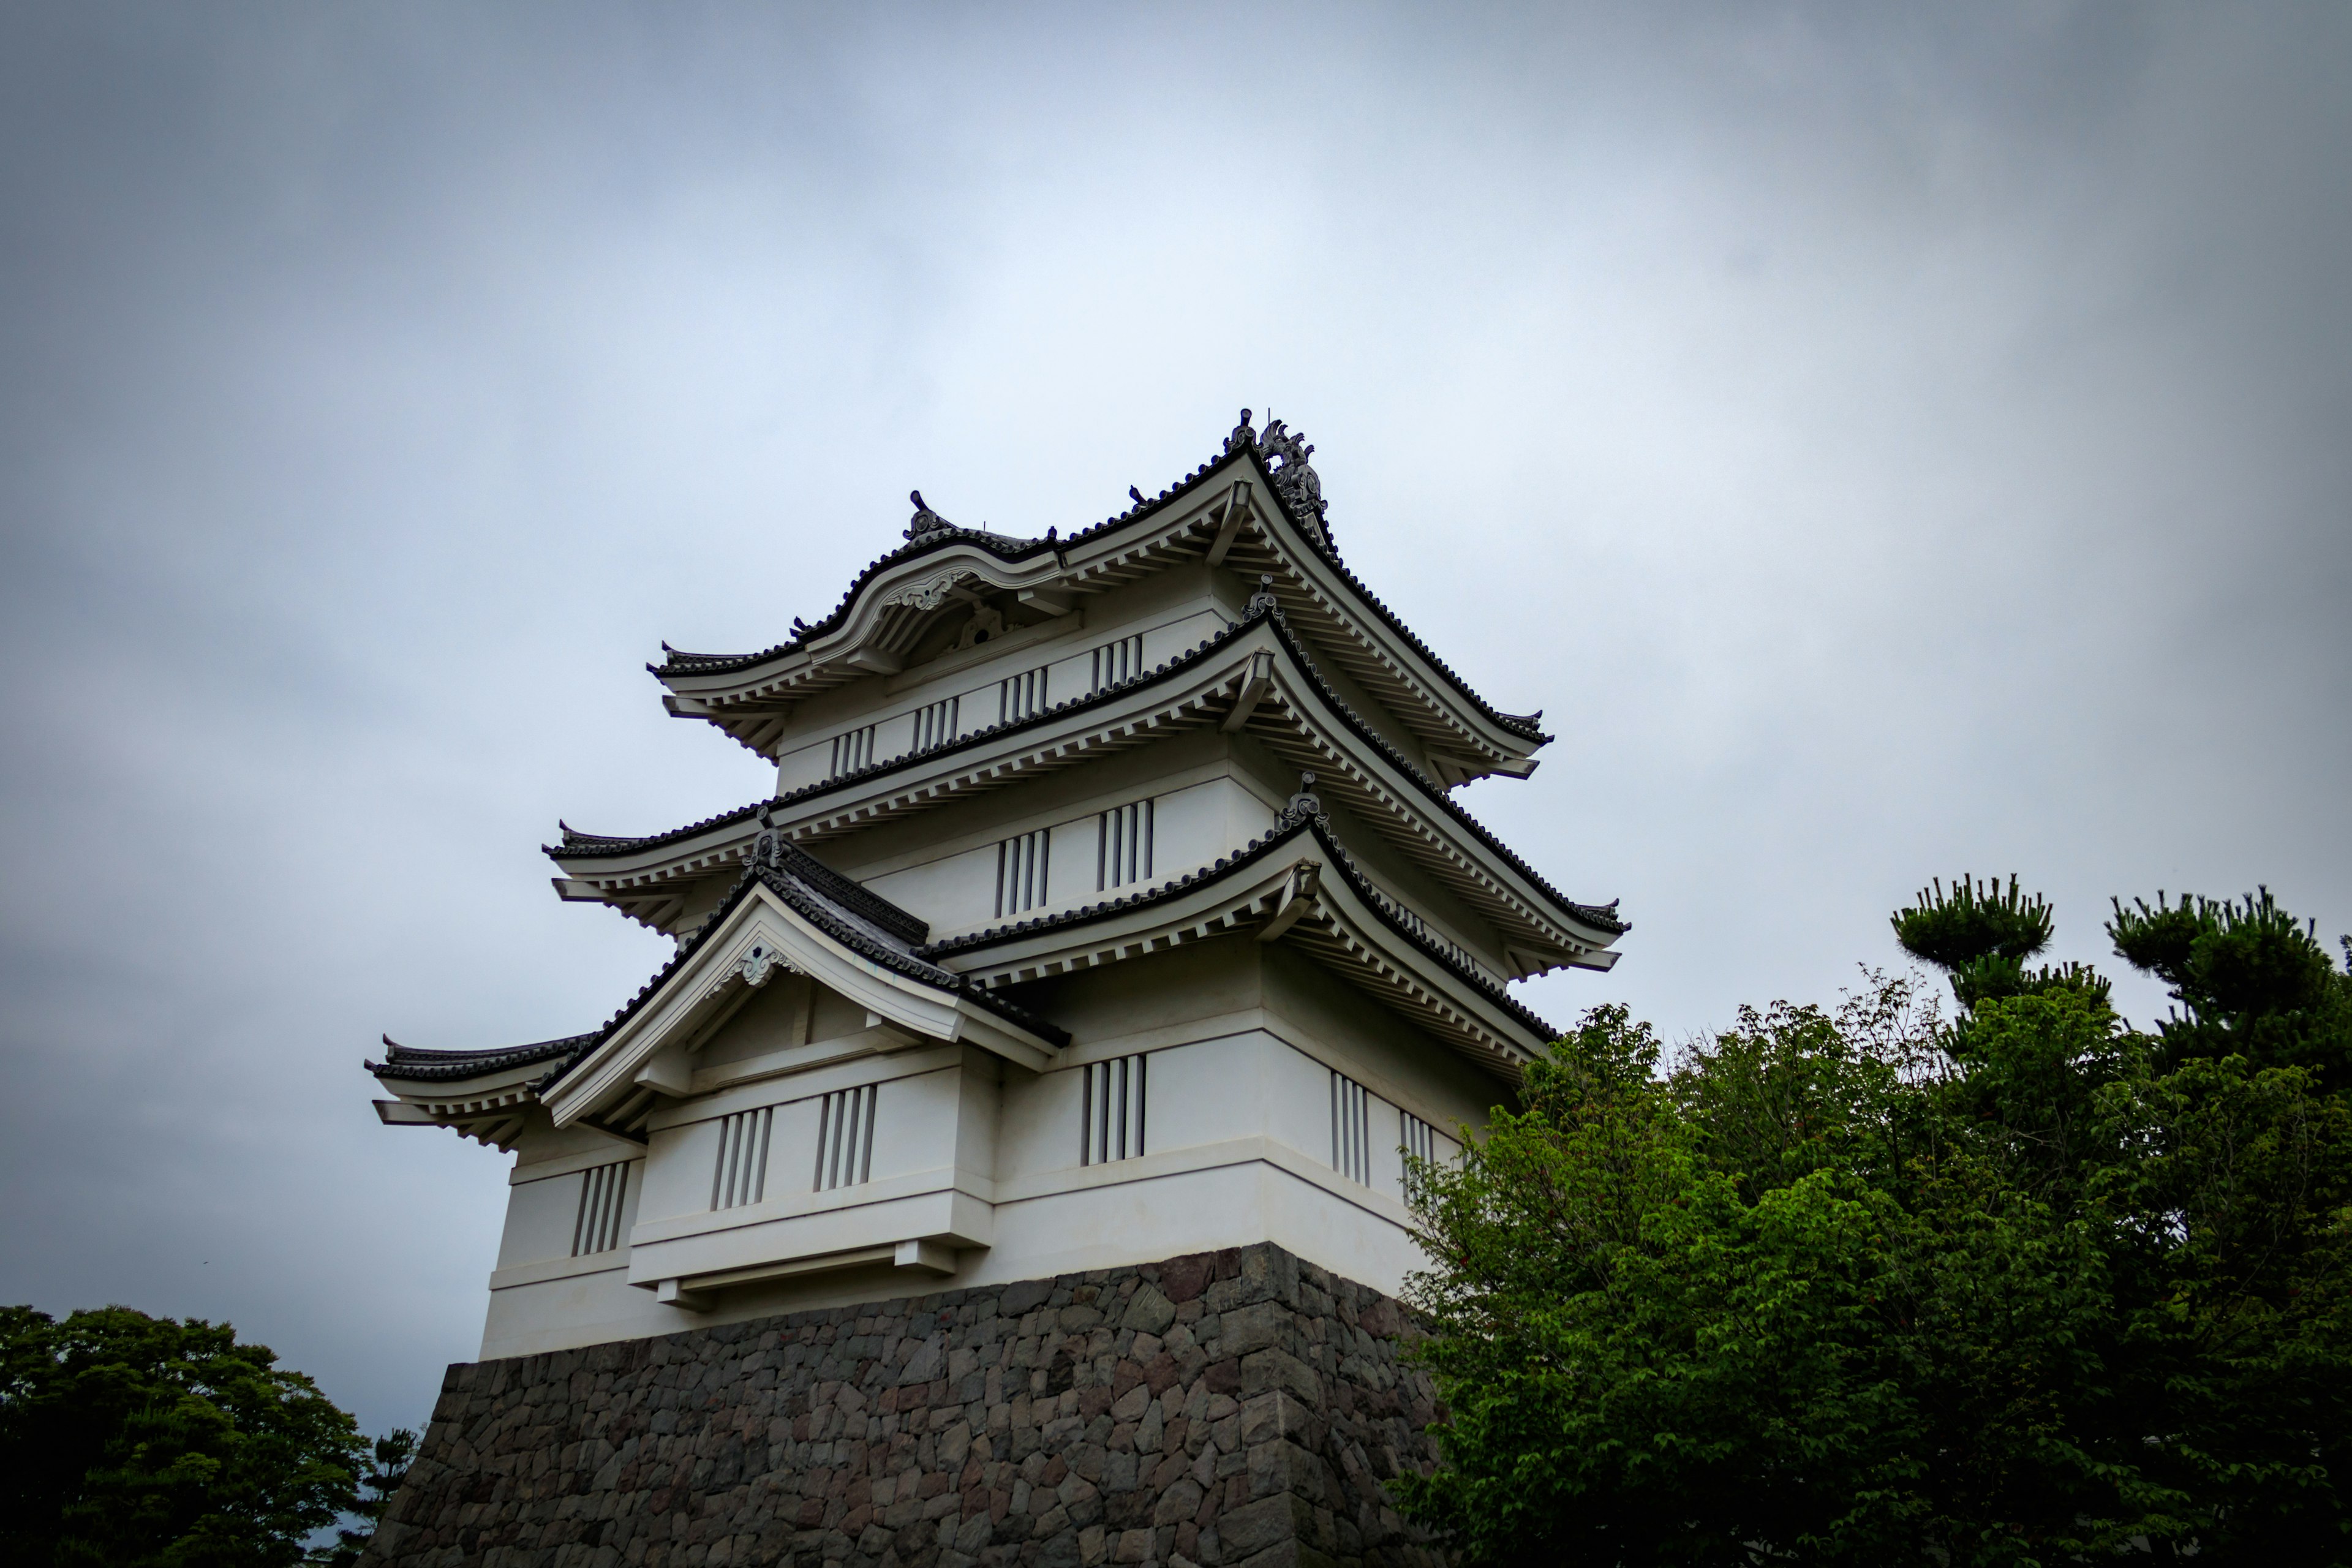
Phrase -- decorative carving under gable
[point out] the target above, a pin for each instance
(987, 621)
(928, 594)
(1294, 477)
(757, 965)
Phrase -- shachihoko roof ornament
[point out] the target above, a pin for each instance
(1294, 479)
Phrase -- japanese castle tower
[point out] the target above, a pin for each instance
(1112, 904)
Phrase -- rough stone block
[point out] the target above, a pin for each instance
(1226, 1409)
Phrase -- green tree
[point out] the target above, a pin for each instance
(393, 1453)
(127, 1441)
(2023, 1286)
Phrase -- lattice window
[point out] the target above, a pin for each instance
(602, 1192)
(1351, 1144)
(853, 750)
(844, 1139)
(1419, 1144)
(1123, 846)
(1112, 1125)
(1021, 696)
(1117, 661)
(935, 724)
(740, 1176)
(1021, 871)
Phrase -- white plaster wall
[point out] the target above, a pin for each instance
(541, 1216)
(1192, 826)
(679, 1165)
(1233, 1198)
(915, 1123)
(1205, 1093)
(1298, 1091)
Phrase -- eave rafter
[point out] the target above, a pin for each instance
(491, 1112)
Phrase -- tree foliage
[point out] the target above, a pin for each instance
(131, 1441)
(2018, 1286)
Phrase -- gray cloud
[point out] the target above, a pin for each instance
(1884, 445)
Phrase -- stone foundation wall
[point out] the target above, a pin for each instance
(1229, 1408)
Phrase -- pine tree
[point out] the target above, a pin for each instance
(1981, 933)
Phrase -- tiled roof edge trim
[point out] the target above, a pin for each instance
(407, 1064)
(1526, 726)
(1601, 916)
(1249, 855)
(856, 897)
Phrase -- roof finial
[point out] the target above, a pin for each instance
(768, 850)
(925, 521)
(1242, 435)
(1302, 805)
(1263, 601)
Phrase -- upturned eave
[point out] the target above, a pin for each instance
(1293, 710)
(1227, 511)
(1298, 885)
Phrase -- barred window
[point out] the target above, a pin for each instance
(844, 1139)
(1112, 1123)
(1021, 696)
(1352, 1144)
(1020, 870)
(740, 1176)
(598, 1228)
(1123, 846)
(1117, 661)
(935, 723)
(853, 750)
(1419, 1144)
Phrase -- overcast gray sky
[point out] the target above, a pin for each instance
(1886, 441)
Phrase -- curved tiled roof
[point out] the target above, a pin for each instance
(407, 1064)
(1603, 915)
(1258, 849)
(1527, 726)
(860, 919)
(837, 921)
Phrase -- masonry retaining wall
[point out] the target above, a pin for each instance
(1231, 1408)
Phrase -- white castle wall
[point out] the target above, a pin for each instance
(1241, 1042)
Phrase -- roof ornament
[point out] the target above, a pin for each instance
(1135, 495)
(1242, 435)
(1301, 806)
(768, 850)
(925, 521)
(759, 966)
(1295, 481)
(1263, 601)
